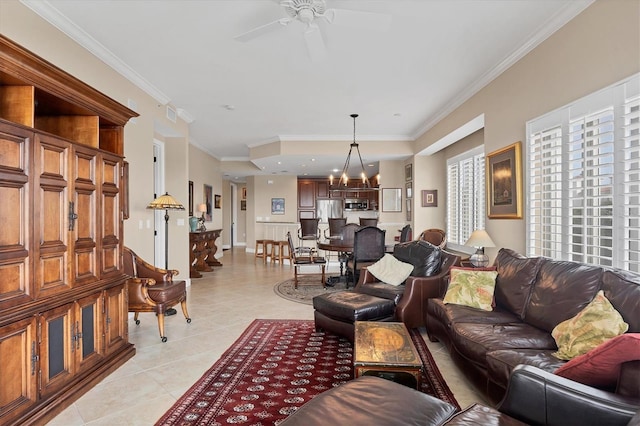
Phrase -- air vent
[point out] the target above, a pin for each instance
(171, 114)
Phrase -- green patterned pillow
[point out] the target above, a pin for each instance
(596, 323)
(471, 287)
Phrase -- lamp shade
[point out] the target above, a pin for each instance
(165, 202)
(202, 208)
(480, 238)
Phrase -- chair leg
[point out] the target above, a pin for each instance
(135, 318)
(183, 304)
(295, 276)
(323, 280)
(161, 326)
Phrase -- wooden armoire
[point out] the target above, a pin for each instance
(63, 297)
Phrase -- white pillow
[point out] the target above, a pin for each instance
(390, 270)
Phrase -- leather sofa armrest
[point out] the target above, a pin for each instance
(536, 397)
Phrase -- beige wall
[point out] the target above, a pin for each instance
(596, 49)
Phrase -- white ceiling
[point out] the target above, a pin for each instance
(434, 55)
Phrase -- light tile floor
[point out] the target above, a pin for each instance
(221, 304)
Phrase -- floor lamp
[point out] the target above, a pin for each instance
(166, 202)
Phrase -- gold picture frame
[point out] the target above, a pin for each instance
(504, 182)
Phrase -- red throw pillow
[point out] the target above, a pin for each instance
(600, 366)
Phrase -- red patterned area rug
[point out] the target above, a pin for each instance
(273, 369)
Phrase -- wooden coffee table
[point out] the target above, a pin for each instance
(385, 349)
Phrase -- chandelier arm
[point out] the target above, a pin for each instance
(345, 170)
(364, 173)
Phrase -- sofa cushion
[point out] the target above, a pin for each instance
(471, 287)
(385, 291)
(473, 341)
(596, 323)
(391, 270)
(501, 362)
(561, 291)
(600, 367)
(516, 276)
(424, 257)
(622, 288)
(477, 414)
(449, 314)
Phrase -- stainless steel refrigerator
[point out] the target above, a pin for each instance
(326, 209)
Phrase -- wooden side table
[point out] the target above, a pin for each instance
(385, 349)
(202, 245)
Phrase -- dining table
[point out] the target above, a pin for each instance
(344, 247)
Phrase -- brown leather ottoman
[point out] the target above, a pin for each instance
(337, 312)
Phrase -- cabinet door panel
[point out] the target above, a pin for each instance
(15, 212)
(87, 346)
(116, 332)
(52, 216)
(306, 194)
(84, 234)
(18, 373)
(111, 227)
(56, 364)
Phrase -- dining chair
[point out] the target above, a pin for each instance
(298, 260)
(368, 248)
(368, 221)
(309, 231)
(405, 234)
(335, 227)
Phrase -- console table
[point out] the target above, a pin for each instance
(202, 245)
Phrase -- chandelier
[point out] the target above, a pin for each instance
(342, 183)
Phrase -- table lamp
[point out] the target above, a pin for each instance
(479, 239)
(202, 208)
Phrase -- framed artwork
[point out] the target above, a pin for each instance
(243, 204)
(217, 201)
(409, 209)
(391, 199)
(504, 182)
(277, 206)
(190, 198)
(409, 187)
(430, 198)
(408, 172)
(208, 199)
(244, 193)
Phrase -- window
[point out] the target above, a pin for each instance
(465, 195)
(584, 180)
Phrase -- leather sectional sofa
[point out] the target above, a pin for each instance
(533, 397)
(532, 296)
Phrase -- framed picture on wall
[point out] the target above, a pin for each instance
(208, 200)
(391, 199)
(409, 187)
(243, 204)
(190, 198)
(217, 201)
(244, 193)
(409, 201)
(408, 172)
(430, 198)
(504, 182)
(277, 206)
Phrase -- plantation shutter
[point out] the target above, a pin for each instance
(584, 180)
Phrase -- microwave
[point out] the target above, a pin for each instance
(352, 204)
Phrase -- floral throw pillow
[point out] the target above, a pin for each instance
(471, 287)
(597, 322)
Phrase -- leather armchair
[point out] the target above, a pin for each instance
(153, 289)
(412, 303)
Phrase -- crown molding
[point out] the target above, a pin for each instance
(560, 19)
(52, 15)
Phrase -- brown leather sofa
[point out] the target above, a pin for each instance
(532, 296)
(372, 300)
(533, 397)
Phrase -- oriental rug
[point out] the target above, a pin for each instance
(308, 288)
(272, 370)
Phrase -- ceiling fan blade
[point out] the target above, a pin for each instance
(359, 19)
(315, 43)
(263, 29)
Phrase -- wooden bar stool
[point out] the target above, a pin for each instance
(280, 251)
(263, 249)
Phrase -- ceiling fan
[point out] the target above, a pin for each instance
(309, 12)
